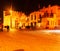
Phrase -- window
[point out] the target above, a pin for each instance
(47, 22)
(31, 17)
(31, 24)
(46, 14)
(51, 15)
(27, 19)
(40, 18)
(58, 22)
(35, 17)
(34, 23)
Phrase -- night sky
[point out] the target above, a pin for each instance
(27, 6)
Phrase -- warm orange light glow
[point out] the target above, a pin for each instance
(12, 29)
(38, 24)
(51, 31)
(20, 25)
(46, 22)
(10, 11)
(6, 19)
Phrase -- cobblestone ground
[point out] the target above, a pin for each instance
(29, 41)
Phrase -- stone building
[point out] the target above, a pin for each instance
(46, 18)
(13, 19)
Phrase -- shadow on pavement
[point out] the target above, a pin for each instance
(19, 50)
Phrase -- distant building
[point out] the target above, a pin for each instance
(48, 18)
(45, 18)
(35, 19)
(52, 16)
(13, 19)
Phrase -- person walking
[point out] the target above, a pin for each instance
(7, 28)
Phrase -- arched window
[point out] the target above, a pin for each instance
(51, 14)
(31, 17)
(35, 17)
(40, 18)
(46, 14)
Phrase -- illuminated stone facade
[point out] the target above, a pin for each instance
(48, 18)
(13, 19)
(45, 18)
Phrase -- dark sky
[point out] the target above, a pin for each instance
(27, 6)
